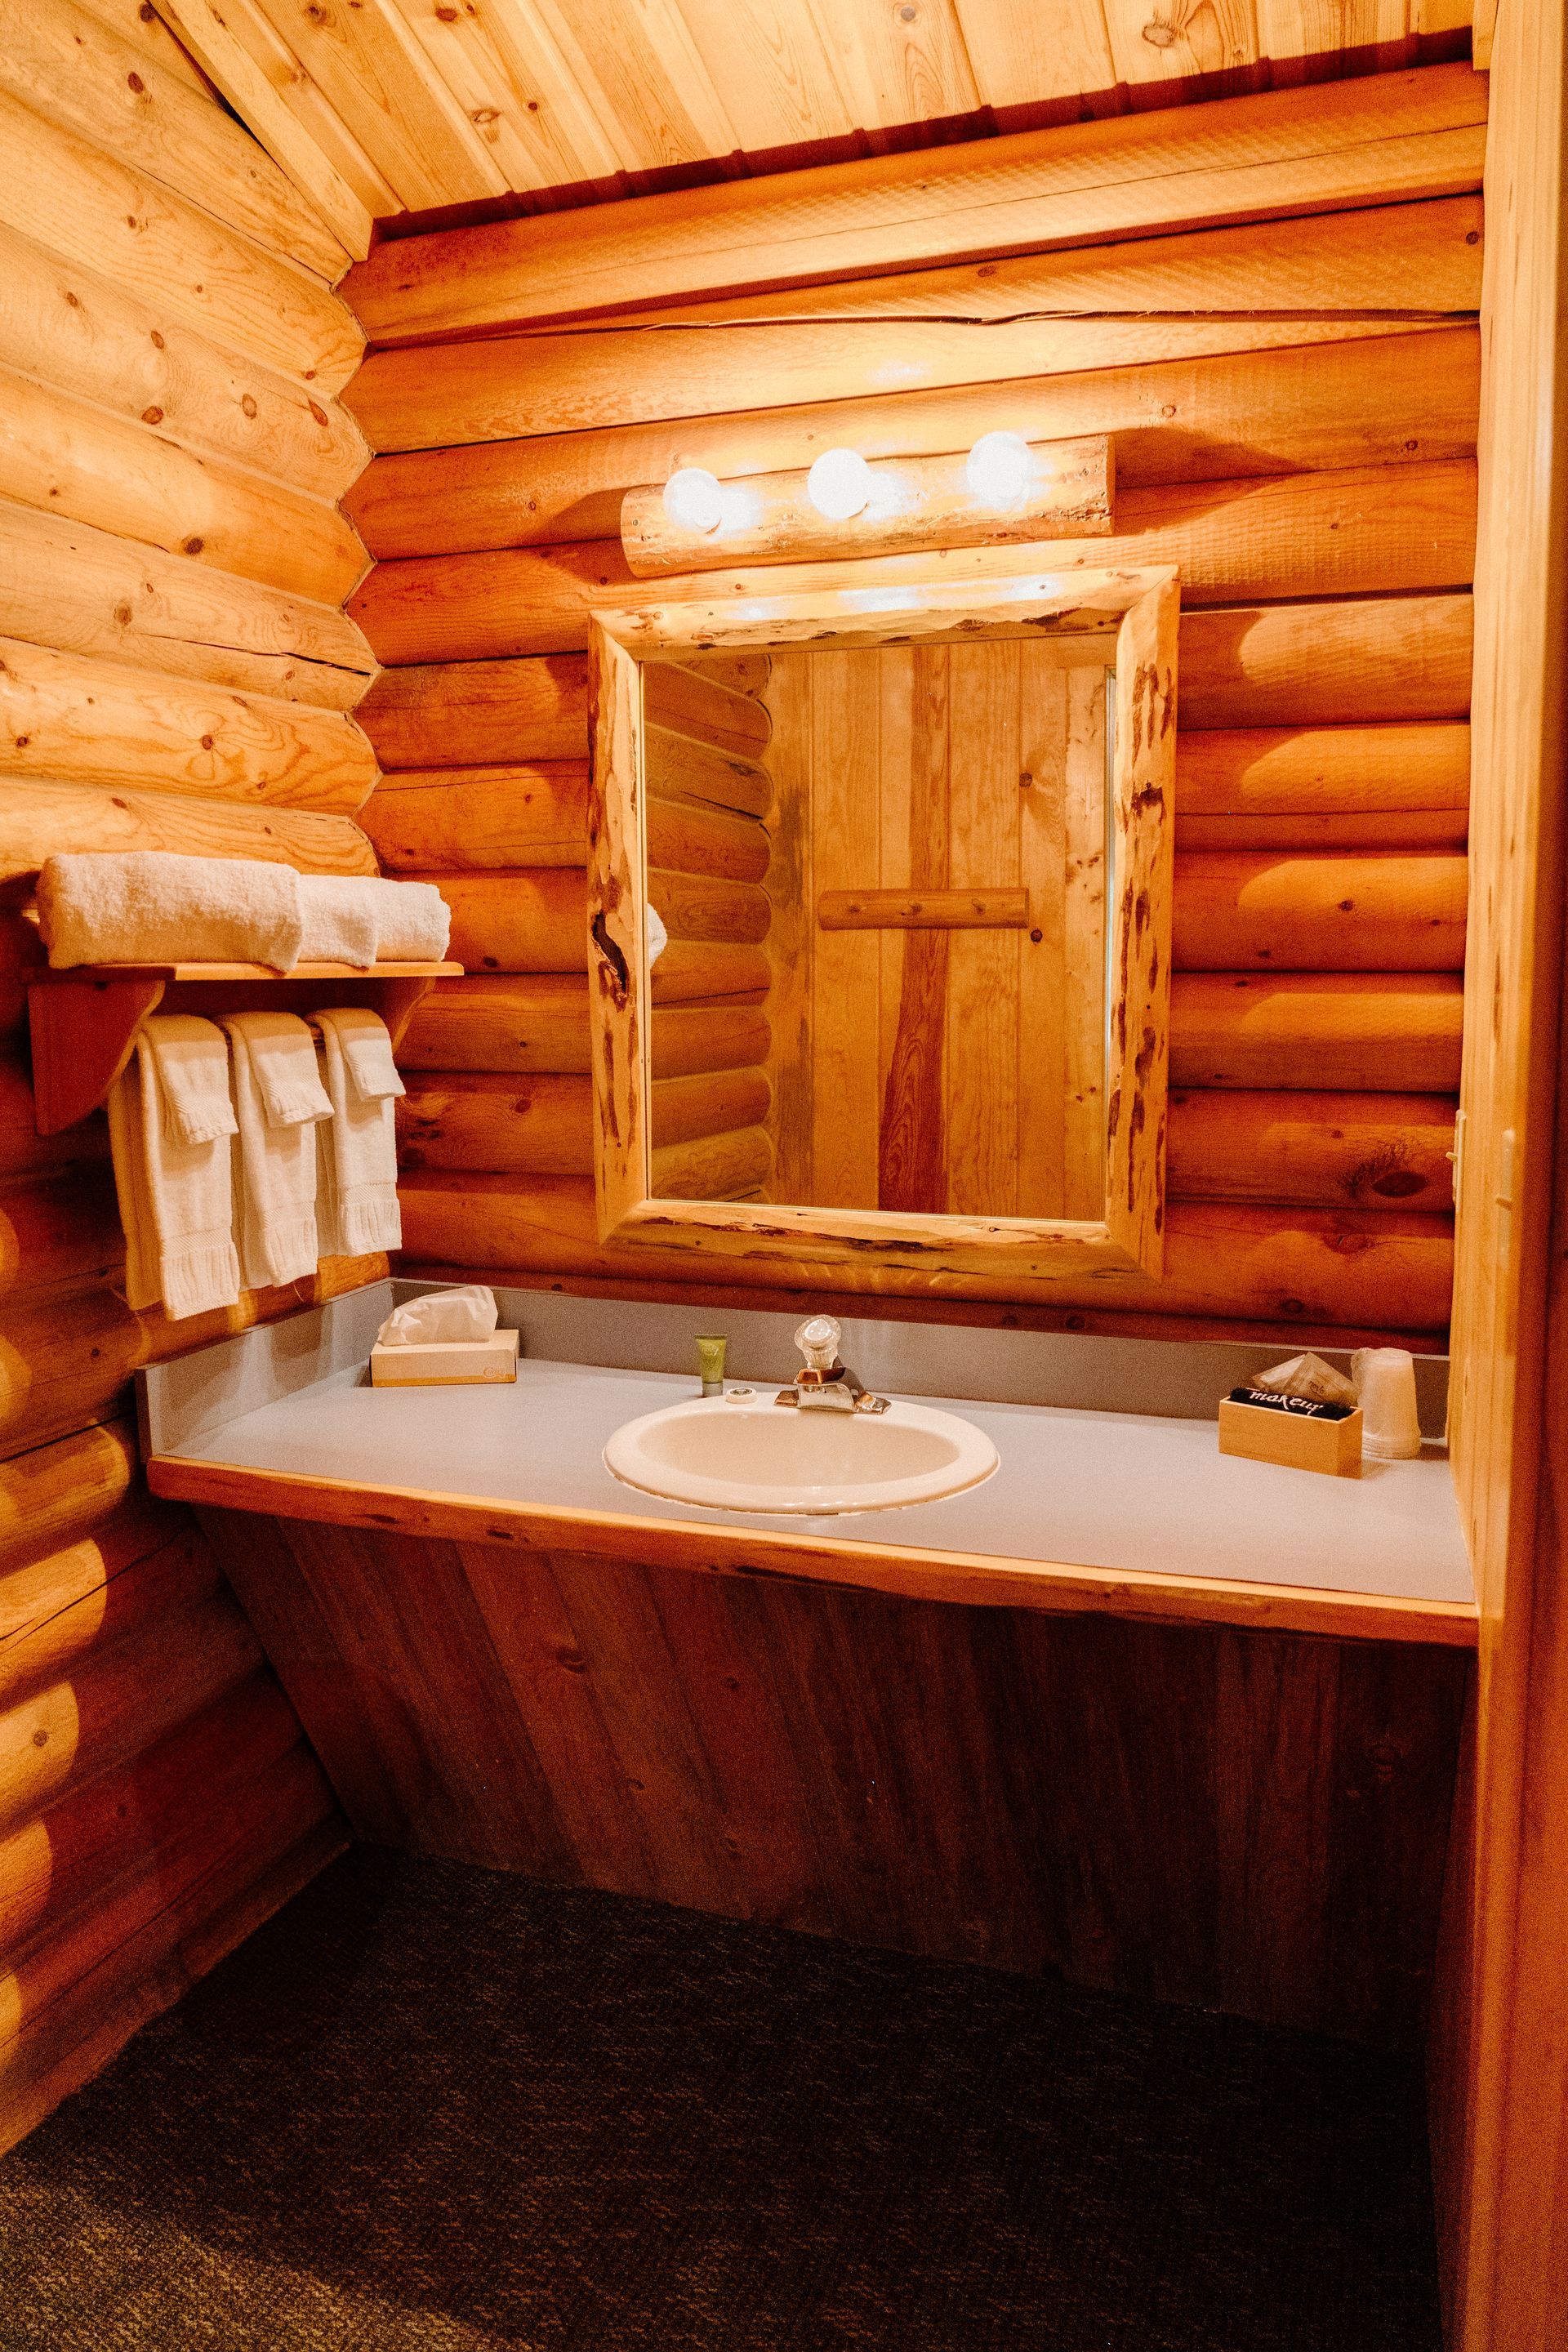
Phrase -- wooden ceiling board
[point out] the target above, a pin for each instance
(1023, 55)
(1310, 28)
(362, 58)
(777, 72)
(1173, 40)
(644, 79)
(467, 47)
(380, 107)
(135, 21)
(898, 60)
(272, 95)
(544, 85)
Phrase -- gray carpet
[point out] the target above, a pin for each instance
(433, 2108)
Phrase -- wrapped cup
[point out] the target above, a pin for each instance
(1387, 1380)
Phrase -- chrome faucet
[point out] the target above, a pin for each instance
(824, 1383)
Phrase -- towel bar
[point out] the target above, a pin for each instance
(84, 1021)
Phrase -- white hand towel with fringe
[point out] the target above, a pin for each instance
(362, 1082)
(170, 1121)
(277, 1098)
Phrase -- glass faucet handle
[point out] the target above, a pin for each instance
(817, 1340)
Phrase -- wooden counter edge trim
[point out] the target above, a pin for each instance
(975, 1579)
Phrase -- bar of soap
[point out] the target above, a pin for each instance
(445, 1363)
(1298, 1433)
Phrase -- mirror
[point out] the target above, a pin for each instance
(879, 921)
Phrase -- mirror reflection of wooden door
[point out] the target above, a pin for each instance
(956, 1064)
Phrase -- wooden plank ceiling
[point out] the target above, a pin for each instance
(383, 108)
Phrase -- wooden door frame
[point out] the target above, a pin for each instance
(1499, 2058)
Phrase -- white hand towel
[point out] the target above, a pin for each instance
(283, 1064)
(329, 1241)
(175, 1198)
(275, 1161)
(364, 1140)
(192, 1063)
(412, 922)
(338, 917)
(367, 1050)
(148, 906)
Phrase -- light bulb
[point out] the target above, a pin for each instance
(999, 469)
(839, 484)
(693, 499)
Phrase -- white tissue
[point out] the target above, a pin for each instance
(657, 937)
(468, 1312)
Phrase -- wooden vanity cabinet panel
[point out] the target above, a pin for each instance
(1250, 1821)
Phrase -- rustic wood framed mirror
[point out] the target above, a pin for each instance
(987, 998)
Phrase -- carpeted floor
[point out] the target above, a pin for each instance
(430, 2107)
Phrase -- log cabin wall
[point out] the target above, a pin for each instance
(1294, 404)
(176, 674)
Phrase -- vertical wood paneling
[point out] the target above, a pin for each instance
(846, 966)
(791, 941)
(1085, 951)
(916, 829)
(986, 1048)
(982, 1004)
(1255, 1822)
(1045, 1008)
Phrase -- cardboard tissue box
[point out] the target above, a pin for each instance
(448, 1338)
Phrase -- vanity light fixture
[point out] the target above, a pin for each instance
(839, 484)
(999, 469)
(693, 499)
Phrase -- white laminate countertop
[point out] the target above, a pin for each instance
(1090, 1489)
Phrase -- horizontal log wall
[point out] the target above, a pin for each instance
(175, 673)
(1294, 404)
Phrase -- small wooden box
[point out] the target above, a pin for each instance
(1317, 1439)
(446, 1363)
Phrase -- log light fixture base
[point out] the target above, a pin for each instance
(1066, 490)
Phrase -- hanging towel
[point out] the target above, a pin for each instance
(175, 1195)
(192, 1063)
(338, 914)
(362, 1143)
(278, 1100)
(329, 1239)
(413, 921)
(283, 1066)
(148, 906)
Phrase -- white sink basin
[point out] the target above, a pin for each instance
(735, 1454)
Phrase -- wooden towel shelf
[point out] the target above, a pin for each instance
(84, 1021)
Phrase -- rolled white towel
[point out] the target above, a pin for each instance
(339, 918)
(148, 906)
(413, 921)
